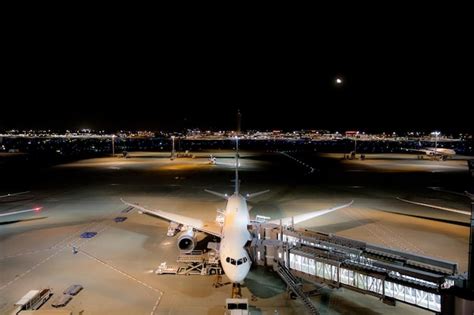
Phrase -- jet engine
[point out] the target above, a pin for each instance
(187, 240)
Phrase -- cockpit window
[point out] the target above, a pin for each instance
(236, 262)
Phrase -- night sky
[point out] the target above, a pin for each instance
(399, 72)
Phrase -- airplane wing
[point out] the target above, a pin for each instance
(435, 206)
(253, 195)
(15, 194)
(38, 209)
(310, 215)
(215, 193)
(212, 228)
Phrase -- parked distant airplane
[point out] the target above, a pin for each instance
(436, 153)
(212, 159)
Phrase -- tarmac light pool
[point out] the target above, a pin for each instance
(121, 256)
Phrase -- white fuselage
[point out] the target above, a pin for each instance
(439, 151)
(234, 258)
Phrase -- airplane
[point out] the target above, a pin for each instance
(436, 153)
(233, 232)
(212, 160)
(441, 153)
(37, 209)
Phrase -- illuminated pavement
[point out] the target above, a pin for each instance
(115, 266)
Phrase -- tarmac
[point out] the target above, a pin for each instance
(116, 266)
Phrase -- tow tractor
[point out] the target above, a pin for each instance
(237, 307)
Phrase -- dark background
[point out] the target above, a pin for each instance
(404, 69)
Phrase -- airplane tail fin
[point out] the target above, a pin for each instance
(215, 193)
(237, 183)
(256, 194)
(236, 180)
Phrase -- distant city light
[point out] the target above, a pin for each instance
(338, 81)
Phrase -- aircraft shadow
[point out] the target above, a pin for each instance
(466, 224)
(21, 220)
(328, 301)
(264, 283)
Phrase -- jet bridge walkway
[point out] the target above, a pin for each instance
(388, 274)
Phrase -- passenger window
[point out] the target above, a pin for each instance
(232, 261)
(245, 259)
(227, 259)
(239, 262)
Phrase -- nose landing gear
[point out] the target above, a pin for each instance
(236, 291)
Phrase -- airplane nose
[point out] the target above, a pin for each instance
(236, 274)
(235, 277)
(229, 272)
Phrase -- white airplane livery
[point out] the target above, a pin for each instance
(440, 153)
(233, 231)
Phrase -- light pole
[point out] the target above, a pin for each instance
(172, 148)
(355, 143)
(113, 145)
(239, 120)
(436, 134)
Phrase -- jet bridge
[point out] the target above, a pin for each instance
(388, 274)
